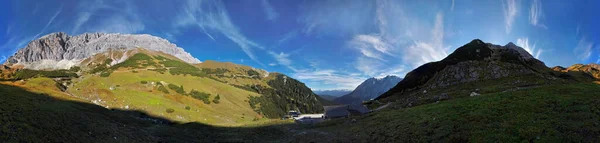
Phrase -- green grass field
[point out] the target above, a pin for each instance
(558, 113)
(233, 108)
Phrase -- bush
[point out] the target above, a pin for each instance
(27, 73)
(163, 89)
(182, 68)
(201, 96)
(105, 74)
(216, 99)
(144, 82)
(178, 89)
(169, 110)
(187, 108)
(75, 69)
(253, 73)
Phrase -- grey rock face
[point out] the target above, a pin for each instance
(369, 89)
(60, 46)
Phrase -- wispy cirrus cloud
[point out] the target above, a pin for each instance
(334, 17)
(536, 14)
(509, 8)
(107, 16)
(49, 22)
(269, 10)
(531, 48)
(213, 15)
(583, 50)
(371, 46)
(282, 59)
(428, 50)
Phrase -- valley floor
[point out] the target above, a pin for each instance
(557, 113)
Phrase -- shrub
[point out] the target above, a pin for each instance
(216, 99)
(178, 89)
(105, 74)
(187, 108)
(75, 69)
(201, 96)
(144, 82)
(163, 89)
(253, 74)
(27, 73)
(169, 110)
(182, 68)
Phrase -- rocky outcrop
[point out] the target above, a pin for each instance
(590, 70)
(63, 51)
(475, 61)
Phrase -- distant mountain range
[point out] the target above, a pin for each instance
(332, 94)
(369, 89)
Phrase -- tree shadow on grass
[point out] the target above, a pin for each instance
(33, 117)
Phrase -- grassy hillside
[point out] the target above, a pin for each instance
(558, 113)
(28, 116)
(163, 86)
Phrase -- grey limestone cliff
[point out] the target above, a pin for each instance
(65, 51)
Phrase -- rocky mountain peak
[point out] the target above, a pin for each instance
(61, 51)
(369, 89)
(475, 61)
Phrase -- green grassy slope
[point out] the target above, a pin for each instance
(32, 117)
(149, 81)
(557, 113)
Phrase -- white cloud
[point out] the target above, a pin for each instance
(120, 17)
(524, 43)
(282, 58)
(8, 29)
(334, 17)
(375, 68)
(510, 12)
(285, 38)
(82, 19)
(329, 77)
(269, 11)
(536, 13)
(272, 64)
(452, 7)
(49, 22)
(583, 51)
(213, 15)
(428, 50)
(119, 24)
(371, 46)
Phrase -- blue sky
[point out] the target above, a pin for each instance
(327, 44)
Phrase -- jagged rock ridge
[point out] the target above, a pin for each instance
(475, 61)
(62, 51)
(369, 89)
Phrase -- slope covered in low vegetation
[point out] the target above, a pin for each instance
(558, 113)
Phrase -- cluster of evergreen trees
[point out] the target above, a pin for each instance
(28, 73)
(286, 94)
